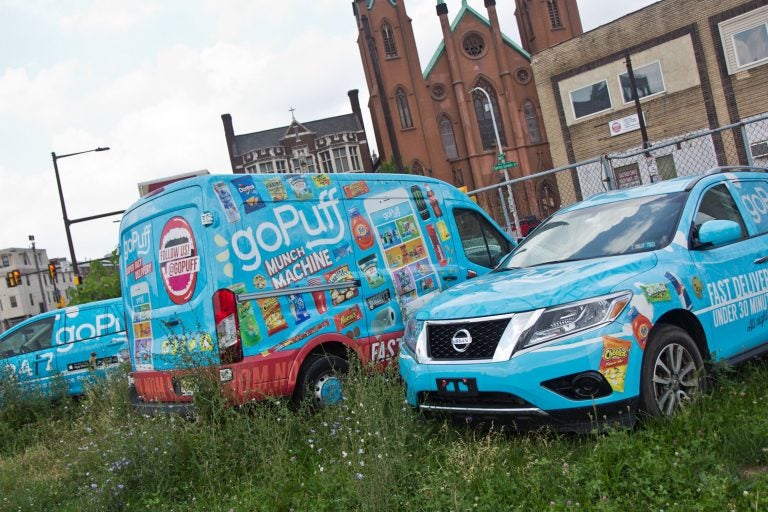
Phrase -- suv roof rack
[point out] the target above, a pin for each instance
(724, 169)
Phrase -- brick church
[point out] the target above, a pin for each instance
(427, 120)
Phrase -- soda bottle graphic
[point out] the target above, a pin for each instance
(318, 296)
(433, 202)
(681, 291)
(361, 230)
(436, 245)
(421, 205)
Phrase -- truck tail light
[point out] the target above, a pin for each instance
(227, 326)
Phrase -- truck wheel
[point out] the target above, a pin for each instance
(673, 371)
(320, 380)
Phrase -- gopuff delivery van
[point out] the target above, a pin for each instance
(74, 344)
(274, 279)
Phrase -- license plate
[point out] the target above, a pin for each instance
(454, 387)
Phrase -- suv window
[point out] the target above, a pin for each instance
(29, 338)
(718, 204)
(481, 242)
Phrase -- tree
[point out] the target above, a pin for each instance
(103, 282)
(390, 167)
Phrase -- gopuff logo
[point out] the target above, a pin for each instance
(138, 243)
(320, 225)
(461, 341)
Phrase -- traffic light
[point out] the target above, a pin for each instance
(13, 279)
(78, 280)
(52, 271)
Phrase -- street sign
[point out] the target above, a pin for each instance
(504, 165)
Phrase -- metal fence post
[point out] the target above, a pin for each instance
(745, 142)
(504, 210)
(610, 179)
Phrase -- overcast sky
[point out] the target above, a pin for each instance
(150, 79)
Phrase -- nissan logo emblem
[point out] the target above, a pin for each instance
(461, 340)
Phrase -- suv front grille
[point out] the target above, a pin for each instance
(485, 337)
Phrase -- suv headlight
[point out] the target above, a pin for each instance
(568, 319)
(413, 329)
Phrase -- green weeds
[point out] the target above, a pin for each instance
(373, 453)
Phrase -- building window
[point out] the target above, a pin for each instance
(251, 169)
(390, 49)
(403, 109)
(303, 164)
(27, 279)
(438, 92)
(547, 199)
(474, 45)
(1, 305)
(26, 259)
(354, 156)
(666, 166)
(417, 168)
(648, 79)
(6, 260)
(485, 119)
(267, 167)
(554, 14)
(751, 45)
(13, 302)
(532, 122)
(340, 161)
(31, 300)
(325, 161)
(591, 99)
(448, 138)
(281, 166)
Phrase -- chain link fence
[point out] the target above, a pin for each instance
(536, 197)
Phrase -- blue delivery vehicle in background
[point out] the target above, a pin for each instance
(273, 280)
(74, 345)
(613, 305)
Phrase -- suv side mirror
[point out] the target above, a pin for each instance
(719, 232)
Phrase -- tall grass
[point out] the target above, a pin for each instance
(373, 453)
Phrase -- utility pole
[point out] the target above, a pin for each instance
(43, 309)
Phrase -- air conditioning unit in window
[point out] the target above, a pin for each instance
(759, 149)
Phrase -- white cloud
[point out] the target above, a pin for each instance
(108, 16)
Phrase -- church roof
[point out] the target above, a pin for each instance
(271, 138)
(465, 10)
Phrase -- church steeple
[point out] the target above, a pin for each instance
(545, 23)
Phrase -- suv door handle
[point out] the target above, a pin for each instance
(171, 323)
(760, 261)
(451, 278)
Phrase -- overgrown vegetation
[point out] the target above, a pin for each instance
(373, 453)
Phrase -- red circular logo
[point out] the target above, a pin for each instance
(616, 127)
(179, 262)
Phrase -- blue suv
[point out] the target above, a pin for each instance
(610, 306)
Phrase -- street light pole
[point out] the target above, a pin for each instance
(43, 309)
(511, 198)
(67, 222)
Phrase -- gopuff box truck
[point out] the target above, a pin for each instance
(273, 280)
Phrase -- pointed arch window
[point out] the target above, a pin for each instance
(402, 108)
(448, 138)
(388, 35)
(484, 118)
(417, 168)
(548, 201)
(532, 122)
(554, 14)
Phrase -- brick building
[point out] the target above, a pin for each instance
(698, 65)
(429, 121)
(334, 144)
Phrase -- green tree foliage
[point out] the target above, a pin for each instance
(103, 282)
(390, 167)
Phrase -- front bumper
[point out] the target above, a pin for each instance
(514, 390)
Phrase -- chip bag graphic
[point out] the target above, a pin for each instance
(614, 361)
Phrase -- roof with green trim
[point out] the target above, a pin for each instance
(466, 9)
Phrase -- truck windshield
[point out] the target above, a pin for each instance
(621, 227)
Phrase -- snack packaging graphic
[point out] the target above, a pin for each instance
(321, 180)
(249, 327)
(443, 231)
(298, 308)
(300, 187)
(273, 315)
(340, 275)
(378, 300)
(441, 259)
(348, 317)
(641, 326)
(369, 267)
(355, 189)
(614, 361)
(276, 189)
(227, 201)
(657, 292)
(251, 198)
(685, 299)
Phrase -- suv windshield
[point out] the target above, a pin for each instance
(621, 227)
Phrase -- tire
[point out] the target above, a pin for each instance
(673, 372)
(320, 382)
